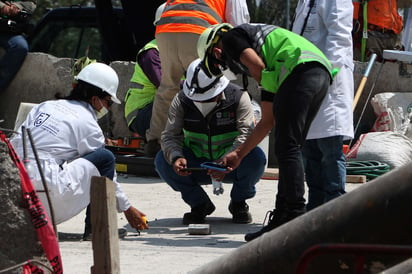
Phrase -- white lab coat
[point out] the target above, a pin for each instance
(329, 27)
(63, 131)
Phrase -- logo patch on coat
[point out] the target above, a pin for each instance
(40, 119)
(225, 118)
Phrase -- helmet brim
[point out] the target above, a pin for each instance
(116, 100)
(214, 91)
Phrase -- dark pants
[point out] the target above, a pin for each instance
(243, 178)
(325, 169)
(104, 161)
(142, 120)
(16, 48)
(294, 107)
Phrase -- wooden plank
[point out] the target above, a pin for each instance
(273, 174)
(105, 240)
(356, 179)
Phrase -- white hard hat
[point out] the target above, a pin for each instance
(206, 41)
(200, 87)
(101, 76)
(159, 12)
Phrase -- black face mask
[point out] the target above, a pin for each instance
(212, 68)
(235, 67)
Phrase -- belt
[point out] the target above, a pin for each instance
(379, 29)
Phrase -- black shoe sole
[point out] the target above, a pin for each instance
(243, 218)
(197, 219)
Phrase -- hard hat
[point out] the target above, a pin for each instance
(101, 76)
(207, 40)
(79, 65)
(200, 87)
(158, 13)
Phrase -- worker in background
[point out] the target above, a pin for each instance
(177, 32)
(328, 25)
(143, 85)
(14, 24)
(71, 145)
(207, 119)
(294, 75)
(382, 24)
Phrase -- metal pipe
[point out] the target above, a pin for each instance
(403, 267)
(379, 211)
(43, 180)
(363, 80)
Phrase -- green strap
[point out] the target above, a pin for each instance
(365, 29)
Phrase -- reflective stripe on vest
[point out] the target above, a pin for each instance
(213, 148)
(192, 16)
(211, 136)
(282, 51)
(141, 90)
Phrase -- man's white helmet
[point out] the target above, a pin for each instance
(159, 12)
(200, 87)
(101, 76)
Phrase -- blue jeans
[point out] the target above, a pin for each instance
(16, 48)
(294, 107)
(104, 160)
(244, 178)
(325, 169)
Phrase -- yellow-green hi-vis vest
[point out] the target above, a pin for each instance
(141, 90)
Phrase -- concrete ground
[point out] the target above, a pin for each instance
(166, 247)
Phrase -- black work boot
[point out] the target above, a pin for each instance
(87, 235)
(198, 214)
(240, 212)
(275, 219)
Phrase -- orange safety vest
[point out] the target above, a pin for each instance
(381, 13)
(192, 16)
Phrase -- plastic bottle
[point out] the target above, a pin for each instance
(217, 186)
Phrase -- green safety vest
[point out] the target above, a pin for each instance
(142, 91)
(212, 136)
(282, 50)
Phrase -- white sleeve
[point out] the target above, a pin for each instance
(122, 201)
(237, 12)
(337, 16)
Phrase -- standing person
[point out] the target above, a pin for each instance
(382, 25)
(177, 33)
(207, 119)
(328, 25)
(14, 21)
(143, 86)
(295, 76)
(70, 145)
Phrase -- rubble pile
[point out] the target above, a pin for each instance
(18, 239)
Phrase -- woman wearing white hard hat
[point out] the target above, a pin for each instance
(207, 119)
(71, 145)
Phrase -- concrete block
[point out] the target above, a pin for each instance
(199, 229)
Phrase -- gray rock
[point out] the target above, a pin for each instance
(17, 235)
